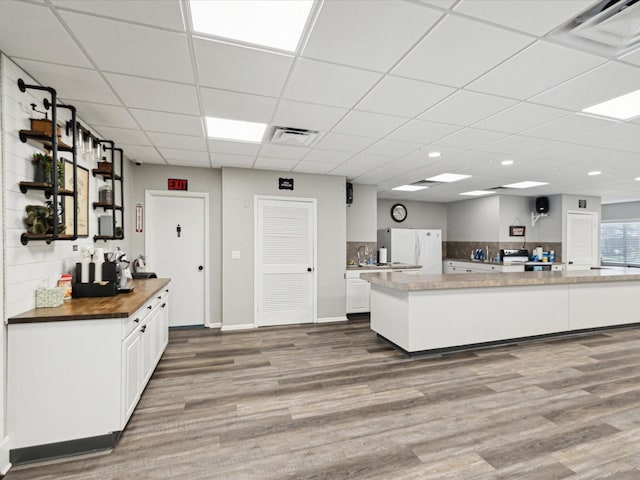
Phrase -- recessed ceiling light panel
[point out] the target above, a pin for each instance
(270, 23)
(594, 173)
(478, 193)
(527, 184)
(448, 177)
(506, 163)
(637, 179)
(409, 188)
(623, 107)
(434, 154)
(237, 130)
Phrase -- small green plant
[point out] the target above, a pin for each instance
(43, 169)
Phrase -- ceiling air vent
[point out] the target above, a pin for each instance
(611, 27)
(426, 183)
(293, 136)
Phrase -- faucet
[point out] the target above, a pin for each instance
(364, 254)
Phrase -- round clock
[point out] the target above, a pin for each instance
(399, 212)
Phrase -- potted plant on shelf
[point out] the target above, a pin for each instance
(43, 169)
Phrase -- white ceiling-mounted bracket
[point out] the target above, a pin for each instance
(537, 216)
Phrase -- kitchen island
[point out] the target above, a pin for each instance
(437, 313)
(76, 372)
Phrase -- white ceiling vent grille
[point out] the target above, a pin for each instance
(611, 27)
(293, 136)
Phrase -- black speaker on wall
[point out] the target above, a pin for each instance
(542, 205)
(349, 193)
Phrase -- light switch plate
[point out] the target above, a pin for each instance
(235, 254)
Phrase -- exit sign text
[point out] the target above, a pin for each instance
(178, 184)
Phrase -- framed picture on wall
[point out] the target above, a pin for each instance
(82, 211)
(516, 230)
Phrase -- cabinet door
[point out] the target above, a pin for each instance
(163, 326)
(148, 349)
(358, 293)
(132, 373)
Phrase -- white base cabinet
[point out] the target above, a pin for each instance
(80, 380)
(359, 291)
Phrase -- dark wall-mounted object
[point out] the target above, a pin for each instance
(285, 183)
(349, 193)
(542, 205)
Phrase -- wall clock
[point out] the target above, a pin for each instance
(399, 212)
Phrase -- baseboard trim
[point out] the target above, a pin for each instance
(242, 326)
(5, 464)
(332, 319)
(214, 325)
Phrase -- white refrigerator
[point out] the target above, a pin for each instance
(413, 246)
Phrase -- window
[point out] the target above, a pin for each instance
(620, 243)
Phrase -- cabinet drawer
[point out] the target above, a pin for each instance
(138, 318)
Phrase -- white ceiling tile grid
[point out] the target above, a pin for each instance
(384, 83)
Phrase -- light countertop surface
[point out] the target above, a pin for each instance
(388, 266)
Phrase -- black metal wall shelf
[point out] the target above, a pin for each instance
(113, 176)
(106, 206)
(47, 188)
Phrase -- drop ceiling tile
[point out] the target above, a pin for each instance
(169, 122)
(567, 127)
(47, 40)
(123, 136)
(71, 83)
(439, 3)
(231, 160)
(528, 73)
(471, 138)
(183, 142)
(403, 97)
(521, 117)
(608, 136)
(423, 132)
(283, 151)
(368, 124)
(465, 108)
(338, 33)
(368, 161)
(237, 106)
(235, 148)
(447, 57)
(164, 14)
(307, 115)
(282, 164)
(392, 148)
(139, 153)
(157, 54)
(327, 156)
(632, 57)
(553, 151)
(318, 168)
(533, 16)
(344, 143)
(329, 84)
(604, 83)
(241, 69)
(514, 145)
(94, 114)
(188, 163)
(155, 94)
(173, 155)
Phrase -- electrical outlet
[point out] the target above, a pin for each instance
(75, 248)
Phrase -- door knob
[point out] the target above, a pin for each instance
(200, 267)
(309, 269)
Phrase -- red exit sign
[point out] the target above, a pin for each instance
(178, 184)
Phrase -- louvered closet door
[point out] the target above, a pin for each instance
(285, 261)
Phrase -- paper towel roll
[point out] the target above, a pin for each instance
(382, 255)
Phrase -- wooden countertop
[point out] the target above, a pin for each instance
(122, 305)
(403, 281)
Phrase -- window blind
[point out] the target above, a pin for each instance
(620, 243)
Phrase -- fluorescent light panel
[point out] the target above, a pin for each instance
(623, 107)
(526, 184)
(506, 163)
(478, 193)
(448, 177)
(434, 154)
(270, 23)
(594, 173)
(409, 188)
(237, 130)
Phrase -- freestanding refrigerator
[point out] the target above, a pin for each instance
(413, 246)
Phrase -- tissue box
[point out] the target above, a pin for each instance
(49, 297)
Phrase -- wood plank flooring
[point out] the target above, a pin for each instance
(332, 401)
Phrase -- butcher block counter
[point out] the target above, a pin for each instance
(437, 313)
(122, 305)
(76, 372)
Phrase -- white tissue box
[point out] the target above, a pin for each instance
(49, 297)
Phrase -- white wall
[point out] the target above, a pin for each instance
(419, 215)
(238, 189)
(4, 441)
(516, 210)
(154, 177)
(37, 264)
(474, 220)
(621, 211)
(361, 214)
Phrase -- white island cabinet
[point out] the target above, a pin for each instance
(76, 372)
(359, 291)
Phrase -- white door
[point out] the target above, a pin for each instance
(285, 273)
(582, 240)
(176, 243)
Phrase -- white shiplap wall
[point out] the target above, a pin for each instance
(37, 264)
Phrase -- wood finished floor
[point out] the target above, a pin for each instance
(332, 401)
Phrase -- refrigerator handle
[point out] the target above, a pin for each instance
(417, 248)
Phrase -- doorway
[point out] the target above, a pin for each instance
(177, 246)
(582, 240)
(285, 261)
